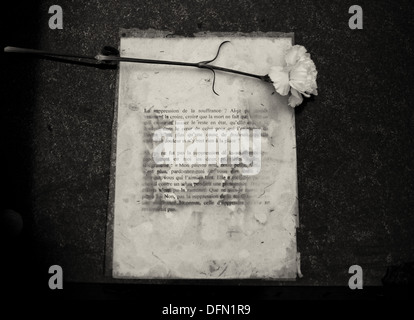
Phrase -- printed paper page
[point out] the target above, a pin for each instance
(205, 185)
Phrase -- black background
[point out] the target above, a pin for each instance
(354, 141)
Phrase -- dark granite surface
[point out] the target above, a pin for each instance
(355, 141)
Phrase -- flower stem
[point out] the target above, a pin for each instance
(112, 58)
(201, 65)
(252, 75)
(101, 57)
(46, 53)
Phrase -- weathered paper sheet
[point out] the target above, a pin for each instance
(205, 185)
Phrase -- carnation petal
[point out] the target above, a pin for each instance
(295, 93)
(295, 98)
(294, 54)
(303, 76)
(280, 79)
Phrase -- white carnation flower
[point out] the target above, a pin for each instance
(298, 76)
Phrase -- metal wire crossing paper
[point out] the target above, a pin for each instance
(204, 185)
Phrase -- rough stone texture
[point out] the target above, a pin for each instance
(354, 141)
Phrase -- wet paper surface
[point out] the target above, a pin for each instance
(187, 204)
